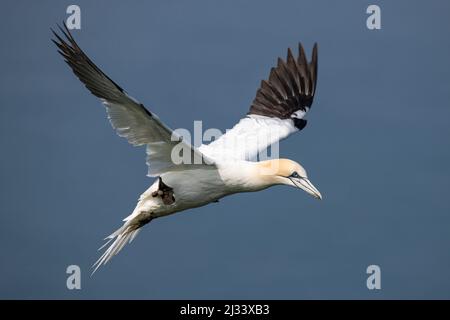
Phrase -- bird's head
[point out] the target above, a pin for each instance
(287, 172)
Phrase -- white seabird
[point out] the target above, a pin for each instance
(213, 171)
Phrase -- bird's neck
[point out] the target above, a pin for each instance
(250, 176)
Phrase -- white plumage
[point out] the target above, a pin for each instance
(226, 166)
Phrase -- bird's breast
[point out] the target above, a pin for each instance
(196, 187)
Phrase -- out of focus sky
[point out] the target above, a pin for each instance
(376, 146)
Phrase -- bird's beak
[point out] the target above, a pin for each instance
(306, 185)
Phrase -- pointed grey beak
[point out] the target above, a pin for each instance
(306, 185)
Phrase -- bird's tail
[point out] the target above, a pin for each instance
(119, 239)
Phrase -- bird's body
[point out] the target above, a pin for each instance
(199, 187)
(189, 177)
(193, 188)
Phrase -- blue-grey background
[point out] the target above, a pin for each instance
(377, 147)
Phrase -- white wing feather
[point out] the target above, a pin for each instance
(249, 138)
(277, 111)
(129, 117)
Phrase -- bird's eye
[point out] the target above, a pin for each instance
(295, 175)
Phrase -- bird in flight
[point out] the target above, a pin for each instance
(212, 171)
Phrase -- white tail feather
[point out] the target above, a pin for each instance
(119, 238)
(140, 216)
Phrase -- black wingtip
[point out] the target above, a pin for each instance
(315, 52)
(302, 60)
(55, 34)
(60, 28)
(65, 31)
(280, 62)
(300, 124)
(289, 88)
(290, 55)
(313, 67)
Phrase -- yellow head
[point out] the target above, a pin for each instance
(287, 172)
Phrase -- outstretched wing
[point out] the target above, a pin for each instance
(128, 117)
(276, 112)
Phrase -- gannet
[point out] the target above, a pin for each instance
(227, 165)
